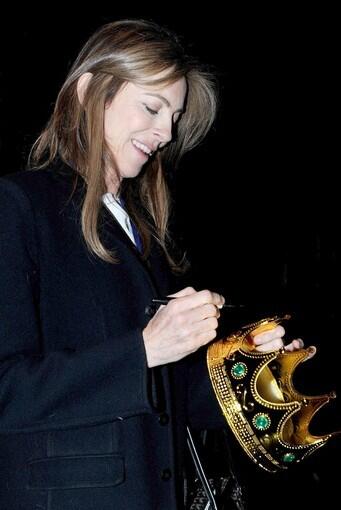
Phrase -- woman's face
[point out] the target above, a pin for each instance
(140, 120)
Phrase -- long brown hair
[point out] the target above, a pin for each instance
(125, 51)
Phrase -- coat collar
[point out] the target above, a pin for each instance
(74, 187)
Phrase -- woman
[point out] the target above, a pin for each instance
(95, 394)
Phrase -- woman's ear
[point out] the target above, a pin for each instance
(82, 85)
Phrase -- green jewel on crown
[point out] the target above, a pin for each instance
(239, 370)
(261, 421)
(289, 457)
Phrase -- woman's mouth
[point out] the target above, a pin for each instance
(143, 149)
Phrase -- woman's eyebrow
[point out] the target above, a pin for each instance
(163, 99)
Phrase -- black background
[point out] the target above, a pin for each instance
(257, 202)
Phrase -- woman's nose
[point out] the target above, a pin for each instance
(164, 131)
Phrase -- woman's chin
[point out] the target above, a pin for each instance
(130, 174)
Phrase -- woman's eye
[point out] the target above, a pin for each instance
(151, 111)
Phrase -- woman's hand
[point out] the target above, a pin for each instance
(273, 339)
(182, 326)
(190, 321)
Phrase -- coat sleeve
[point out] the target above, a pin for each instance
(203, 407)
(65, 388)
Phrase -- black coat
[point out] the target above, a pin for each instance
(84, 424)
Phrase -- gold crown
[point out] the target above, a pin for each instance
(268, 416)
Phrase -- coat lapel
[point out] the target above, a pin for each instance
(154, 267)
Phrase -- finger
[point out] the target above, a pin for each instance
(204, 326)
(299, 344)
(268, 336)
(187, 291)
(194, 299)
(209, 297)
(195, 342)
(294, 345)
(205, 311)
(208, 310)
(205, 338)
(189, 317)
(274, 345)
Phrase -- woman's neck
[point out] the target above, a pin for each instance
(112, 182)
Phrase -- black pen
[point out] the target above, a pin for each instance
(166, 300)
